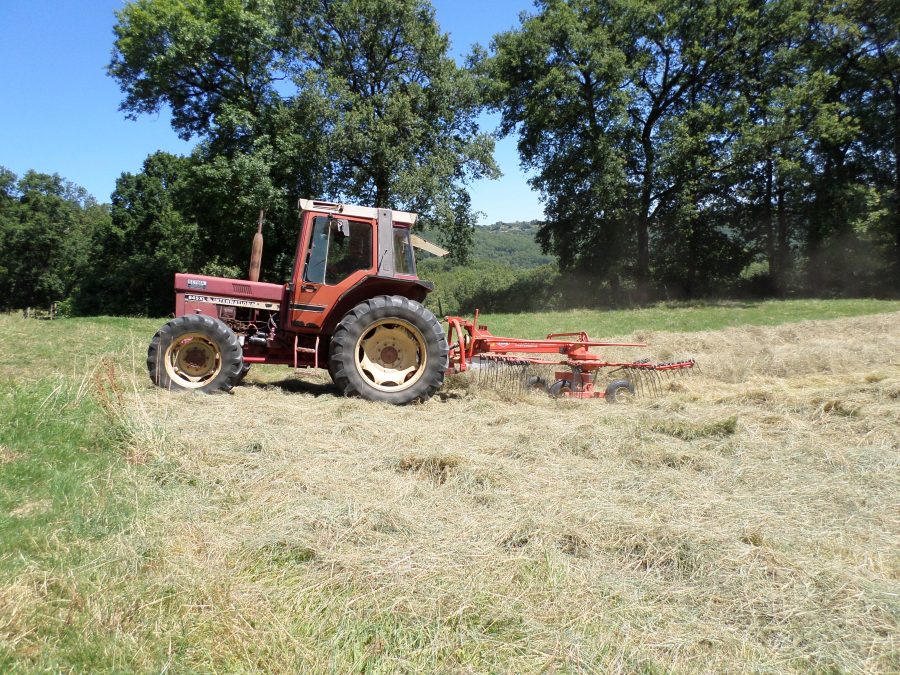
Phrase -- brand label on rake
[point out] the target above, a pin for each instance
(233, 302)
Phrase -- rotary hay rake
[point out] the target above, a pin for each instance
(515, 364)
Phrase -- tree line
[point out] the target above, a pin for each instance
(678, 143)
(682, 148)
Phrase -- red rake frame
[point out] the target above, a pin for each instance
(469, 341)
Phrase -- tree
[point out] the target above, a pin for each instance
(854, 47)
(775, 103)
(151, 237)
(374, 107)
(47, 225)
(678, 139)
(597, 91)
(214, 64)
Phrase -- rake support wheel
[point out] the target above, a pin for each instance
(619, 391)
(195, 352)
(559, 388)
(389, 348)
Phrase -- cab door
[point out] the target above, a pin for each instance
(339, 253)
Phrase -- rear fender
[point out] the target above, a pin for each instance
(371, 286)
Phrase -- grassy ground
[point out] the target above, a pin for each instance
(744, 521)
(682, 317)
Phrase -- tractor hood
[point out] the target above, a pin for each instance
(198, 288)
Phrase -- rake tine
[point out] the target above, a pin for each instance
(639, 379)
(657, 382)
(651, 381)
(648, 382)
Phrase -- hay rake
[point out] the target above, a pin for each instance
(515, 364)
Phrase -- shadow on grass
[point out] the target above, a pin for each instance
(297, 386)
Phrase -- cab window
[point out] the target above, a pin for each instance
(404, 258)
(337, 248)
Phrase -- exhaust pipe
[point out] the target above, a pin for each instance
(256, 250)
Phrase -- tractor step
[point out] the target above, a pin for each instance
(306, 350)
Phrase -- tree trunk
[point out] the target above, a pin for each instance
(815, 277)
(783, 250)
(643, 227)
(769, 221)
(381, 192)
(897, 182)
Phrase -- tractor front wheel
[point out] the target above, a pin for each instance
(195, 352)
(389, 348)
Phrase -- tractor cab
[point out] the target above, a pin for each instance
(344, 253)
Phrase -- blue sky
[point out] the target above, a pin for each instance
(59, 110)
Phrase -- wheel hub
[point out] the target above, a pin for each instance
(193, 360)
(391, 355)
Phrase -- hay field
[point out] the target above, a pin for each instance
(747, 520)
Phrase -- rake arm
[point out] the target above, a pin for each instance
(474, 347)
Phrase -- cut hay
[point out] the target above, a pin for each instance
(746, 520)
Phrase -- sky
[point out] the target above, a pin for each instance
(59, 111)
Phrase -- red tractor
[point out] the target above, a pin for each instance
(353, 305)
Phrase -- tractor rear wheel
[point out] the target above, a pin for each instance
(245, 368)
(195, 352)
(389, 348)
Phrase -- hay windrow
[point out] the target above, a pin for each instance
(745, 520)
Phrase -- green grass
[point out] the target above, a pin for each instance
(31, 350)
(65, 493)
(681, 317)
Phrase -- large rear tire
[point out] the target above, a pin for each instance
(195, 353)
(389, 348)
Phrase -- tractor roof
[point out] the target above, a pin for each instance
(401, 217)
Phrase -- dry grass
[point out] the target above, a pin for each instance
(746, 521)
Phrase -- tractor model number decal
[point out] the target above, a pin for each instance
(234, 302)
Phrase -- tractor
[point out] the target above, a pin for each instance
(353, 305)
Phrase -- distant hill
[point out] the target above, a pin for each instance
(509, 244)
(512, 244)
